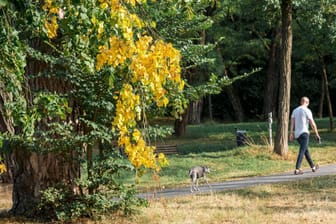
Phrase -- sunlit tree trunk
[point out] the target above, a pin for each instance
(281, 138)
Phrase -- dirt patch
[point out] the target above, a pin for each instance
(5, 197)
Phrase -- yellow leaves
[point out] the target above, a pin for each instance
(47, 5)
(115, 54)
(51, 27)
(162, 160)
(2, 168)
(100, 28)
(149, 65)
(136, 135)
(126, 105)
(124, 20)
(50, 22)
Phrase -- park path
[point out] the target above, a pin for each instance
(222, 186)
(242, 183)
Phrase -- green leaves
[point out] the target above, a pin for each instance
(112, 197)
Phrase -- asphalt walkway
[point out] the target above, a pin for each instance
(242, 183)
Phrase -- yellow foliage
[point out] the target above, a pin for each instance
(50, 22)
(51, 27)
(2, 168)
(150, 64)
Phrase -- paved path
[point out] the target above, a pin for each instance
(245, 182)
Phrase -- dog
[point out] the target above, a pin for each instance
(195, 173)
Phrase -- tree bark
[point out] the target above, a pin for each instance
(281, 138)
(34, 171)
(322, 96)
(6, 125)
(235, 102)
(210, 107)
(272, 75)
(195, 111)
(180, 125)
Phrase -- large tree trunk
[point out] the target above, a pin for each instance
(272, 76)
(34, 171)
(281, 138)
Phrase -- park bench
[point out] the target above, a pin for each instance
(166, 149)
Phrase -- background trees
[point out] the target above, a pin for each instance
(251, 38)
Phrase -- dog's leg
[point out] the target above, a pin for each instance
(193, 179)
(206, 181)
(192, 186)
(197, 188)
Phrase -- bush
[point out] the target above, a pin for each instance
(93, 197)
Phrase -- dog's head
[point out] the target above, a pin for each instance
(206, 169)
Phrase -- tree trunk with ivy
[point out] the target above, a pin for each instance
(6, 125)
(33, 170)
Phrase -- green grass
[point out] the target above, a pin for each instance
(303, 201)
(214, 145)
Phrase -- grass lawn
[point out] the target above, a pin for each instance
(304, 201)
(214, 145)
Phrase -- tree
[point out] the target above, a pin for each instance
(185, 24)
(281, 138)
(80, 80)
(243, 45)
(318, 46)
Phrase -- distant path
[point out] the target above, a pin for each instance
(242, 183)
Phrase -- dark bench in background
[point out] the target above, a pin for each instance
(166, 149)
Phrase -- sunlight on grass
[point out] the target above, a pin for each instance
(214, 145)
(307, 201)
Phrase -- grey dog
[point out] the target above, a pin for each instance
(195, 173)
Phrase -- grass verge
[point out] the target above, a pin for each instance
(304, 201)
(215, 145)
